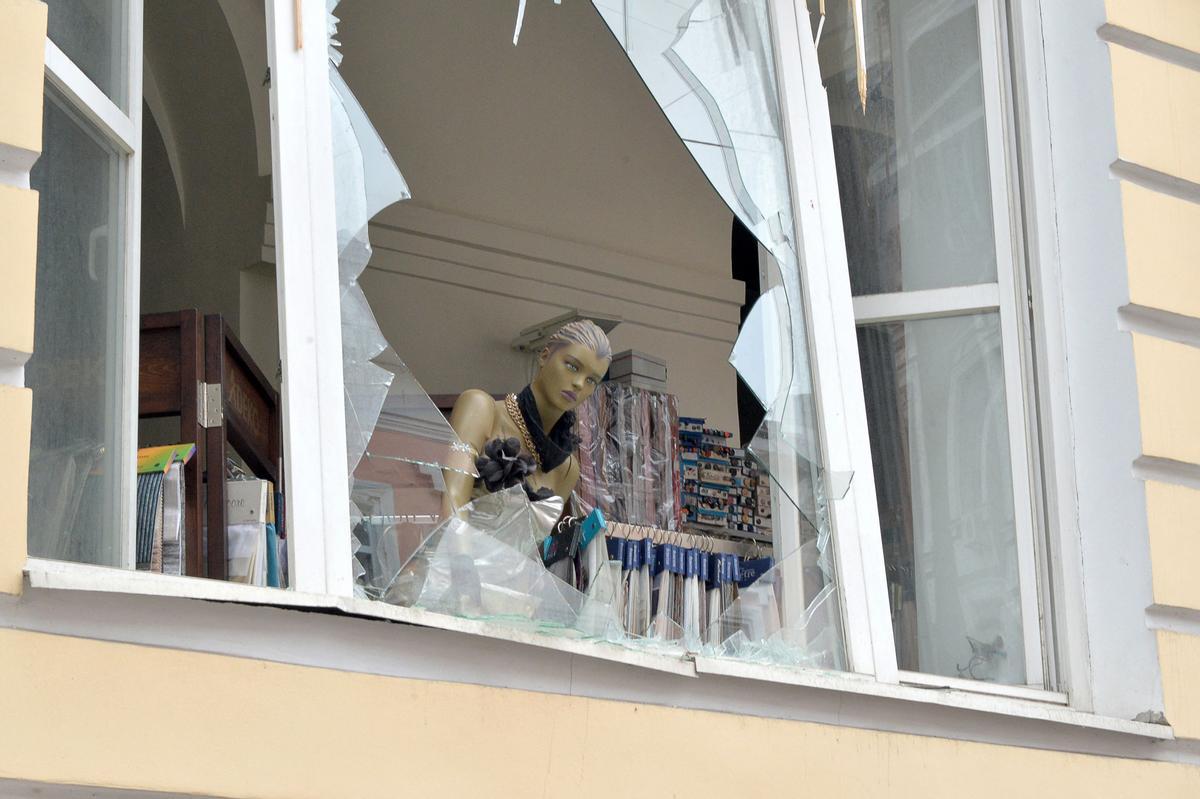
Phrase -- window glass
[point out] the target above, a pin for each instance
(92, 34)
(714, 544)
(912, 168)
(75, 371)
(939, 442)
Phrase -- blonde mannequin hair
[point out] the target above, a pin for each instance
(584, 332)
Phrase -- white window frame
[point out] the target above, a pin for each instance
(306, 243)
(310, 316)
(833, 315)
(123, 130)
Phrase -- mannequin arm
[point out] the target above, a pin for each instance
(473, 418)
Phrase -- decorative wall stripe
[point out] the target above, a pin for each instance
(1148, 45)
(1173, 619)
(1156, 181)
(1165, 470)
(1179, 328)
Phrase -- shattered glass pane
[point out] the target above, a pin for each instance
(710, 67)
(709, 64)
(389, 418)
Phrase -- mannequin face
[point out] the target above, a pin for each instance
(568, 376)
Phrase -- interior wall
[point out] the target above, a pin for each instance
(544, 177)
(194, 260)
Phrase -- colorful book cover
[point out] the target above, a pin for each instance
(158, 459)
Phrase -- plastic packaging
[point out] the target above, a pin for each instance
(628, 455)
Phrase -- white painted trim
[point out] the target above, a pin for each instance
(130, 311)
(13, 375)
(262, 623)
(1166, 470)
(903, 306)
(314, 428)
(833, 342)
(1041, 711)
(1174, 619)
(87, 98)
(66, 576)
(1002, 171)
(1065, 599)
(1180, 328)
(980, 687)
(15, 163)
(70, 576)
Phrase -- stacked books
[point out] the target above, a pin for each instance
(161, 523)
(724, 488)
(253, 552)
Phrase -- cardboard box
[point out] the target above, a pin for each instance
(639, 369)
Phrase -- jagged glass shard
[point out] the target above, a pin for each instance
(789, 616)
(762, 353)
(397, 441)
(709, 64)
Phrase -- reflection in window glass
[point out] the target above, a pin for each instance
(92, 34)
(75, 371)
(939, 442)
(913, 173)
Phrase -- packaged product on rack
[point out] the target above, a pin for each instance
(627, 452)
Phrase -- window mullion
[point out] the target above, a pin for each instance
(86, 97)
(1012, 300)
(314, 433)
(834, 348)
(926, 304)
(131, 288)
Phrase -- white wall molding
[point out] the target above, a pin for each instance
(1165, 470)
(15, 163)
(1179, 328)
(502, 285)
(1185, 621)
(584, 258)
(1148, 45)
(1152, 179)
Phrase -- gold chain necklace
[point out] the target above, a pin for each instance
(514, 413)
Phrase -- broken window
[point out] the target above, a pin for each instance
(676, 536)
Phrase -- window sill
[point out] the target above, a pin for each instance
(62, 575)
(56, 576)
(933, 695)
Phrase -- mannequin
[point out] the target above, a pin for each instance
(529, 437)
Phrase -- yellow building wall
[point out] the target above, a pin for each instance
(1162, 248)
(271, 730)
(18, 267)
(22, 48)
(1157, 106)
(1176, 22)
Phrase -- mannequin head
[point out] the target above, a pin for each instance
(571, 365)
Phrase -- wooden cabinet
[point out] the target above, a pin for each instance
(194, 368)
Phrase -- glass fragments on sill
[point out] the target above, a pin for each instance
(644, 589)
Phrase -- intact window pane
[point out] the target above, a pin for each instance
(939, 441)
(75, 371)
(92, 34)
(912, 169)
